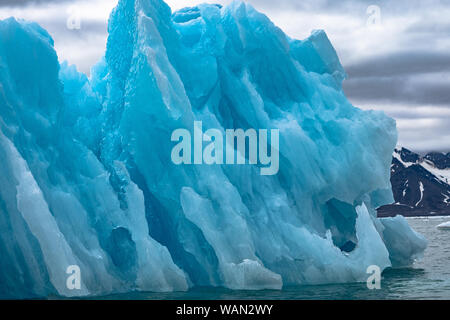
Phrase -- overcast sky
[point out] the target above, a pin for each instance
(396, 52)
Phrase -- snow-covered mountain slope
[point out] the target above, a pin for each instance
(421, 185)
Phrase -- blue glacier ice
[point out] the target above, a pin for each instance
(86, 176)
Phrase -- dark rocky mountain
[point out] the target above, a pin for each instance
(421, 185)
(440, 160)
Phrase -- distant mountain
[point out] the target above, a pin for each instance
(421, 185)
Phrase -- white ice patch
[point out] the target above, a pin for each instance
(441, 174)
(421, 189)
(447, 198)
(444, 226)
(33, 207)
(399, 158)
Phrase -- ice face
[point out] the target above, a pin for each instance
(58, 206)
(87, 177)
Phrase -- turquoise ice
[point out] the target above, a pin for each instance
(87, 179)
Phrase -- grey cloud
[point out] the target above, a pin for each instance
(427, 28)
(58, 29)
(23, 3)
(385, 90)
(409, 77)
(388, 7)
(410, 113)
(401, 63)
(434, 137)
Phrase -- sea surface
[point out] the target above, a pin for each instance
(428, 278)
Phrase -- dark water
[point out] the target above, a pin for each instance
(427, 279)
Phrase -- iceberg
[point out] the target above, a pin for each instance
(87, 178)
(444, 226)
